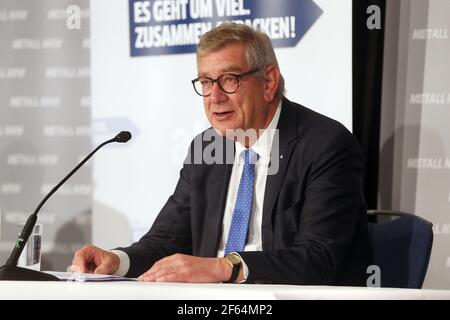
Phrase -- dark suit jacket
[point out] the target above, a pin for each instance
(314, 228)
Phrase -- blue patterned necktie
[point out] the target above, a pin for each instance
(237, 237)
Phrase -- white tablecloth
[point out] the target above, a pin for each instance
(177, 291)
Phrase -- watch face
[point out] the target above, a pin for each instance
(233, 258)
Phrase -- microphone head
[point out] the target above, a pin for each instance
(123, 137)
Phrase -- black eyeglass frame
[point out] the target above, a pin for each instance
(238, 77)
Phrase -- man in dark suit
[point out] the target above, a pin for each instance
(271, 194)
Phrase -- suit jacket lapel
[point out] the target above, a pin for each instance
(222, 174)
(287, 134)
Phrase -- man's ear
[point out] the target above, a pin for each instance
(271, 81)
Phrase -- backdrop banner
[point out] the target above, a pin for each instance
(415, 145)
(45, 123)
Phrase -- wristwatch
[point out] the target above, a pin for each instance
(234, 260)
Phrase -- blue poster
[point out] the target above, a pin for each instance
(160, 27)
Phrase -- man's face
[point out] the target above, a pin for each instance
(243, 109)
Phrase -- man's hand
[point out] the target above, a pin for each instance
(185, 268)
(90, 259)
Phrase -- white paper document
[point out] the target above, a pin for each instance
(85, 277)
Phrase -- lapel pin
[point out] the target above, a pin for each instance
(281, 156)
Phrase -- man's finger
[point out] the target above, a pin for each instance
(165, 270)
(101, 269)
(169, 278)
(79, 263)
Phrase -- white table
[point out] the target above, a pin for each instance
(176, 291)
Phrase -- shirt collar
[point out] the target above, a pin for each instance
(263, 145)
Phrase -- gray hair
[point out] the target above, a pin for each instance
(259, 50)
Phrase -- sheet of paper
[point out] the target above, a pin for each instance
(84, 277)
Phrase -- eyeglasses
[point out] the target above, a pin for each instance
(228, 83)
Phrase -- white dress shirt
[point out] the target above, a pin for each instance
(262, 147)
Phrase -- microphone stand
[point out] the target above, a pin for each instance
(10, 271)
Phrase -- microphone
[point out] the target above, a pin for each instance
(10, 271)
(123, 137)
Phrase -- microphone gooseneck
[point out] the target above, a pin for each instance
(10, 271)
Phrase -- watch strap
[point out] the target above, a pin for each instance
(235, 272)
